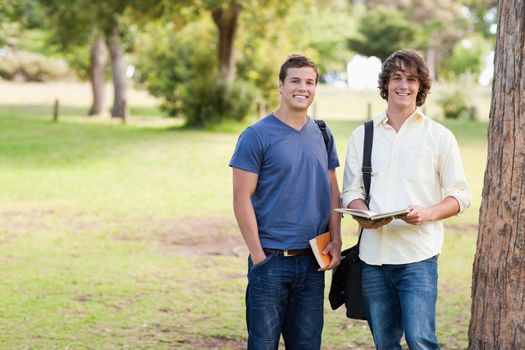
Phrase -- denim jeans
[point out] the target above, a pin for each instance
(401, 298)
(285, 296)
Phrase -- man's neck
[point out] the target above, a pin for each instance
(397, 117)
(295, 119)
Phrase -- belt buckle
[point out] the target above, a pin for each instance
(286, 253)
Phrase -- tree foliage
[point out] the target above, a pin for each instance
(437, 25)
(466, 57)
(181, 68)
(382, 32)
(484, 17)
(17, 16)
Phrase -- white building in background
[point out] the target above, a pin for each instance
(362, 72)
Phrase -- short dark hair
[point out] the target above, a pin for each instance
(297, 61)
(405, 60)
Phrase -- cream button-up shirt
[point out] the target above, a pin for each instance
(419, 165)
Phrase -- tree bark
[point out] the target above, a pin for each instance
(96, 76)
(498, 289)
(226, 19)
(118, 69)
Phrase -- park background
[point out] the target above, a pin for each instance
(118, 232)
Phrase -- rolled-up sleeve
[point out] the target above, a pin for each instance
(353, 178)
(452, 173)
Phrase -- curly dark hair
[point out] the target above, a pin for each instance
(297, 61)
(405, 60)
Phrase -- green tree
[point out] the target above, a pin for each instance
(238, 44)
(81, 23)
(19, 15)
(169, 53)
(227, 15)
(466, 57)
(382, 32)
(262, 47)
(440, 25)
(484, 15)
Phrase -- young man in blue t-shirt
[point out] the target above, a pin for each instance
(284, 192)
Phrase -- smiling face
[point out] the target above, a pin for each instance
(298, 89)
(403, 87)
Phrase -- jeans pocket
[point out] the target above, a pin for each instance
(261, 263)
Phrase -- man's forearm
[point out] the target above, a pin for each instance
(335, 218)
(247, 222)
(448, 207)
(358, 204)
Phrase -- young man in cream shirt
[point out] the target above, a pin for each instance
(417, 165)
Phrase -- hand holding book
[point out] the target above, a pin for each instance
(318, 245)
(326, 251)
(373, 216)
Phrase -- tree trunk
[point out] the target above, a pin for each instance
(118, 69)
(226, 19)
(498, 289)
(96, 76)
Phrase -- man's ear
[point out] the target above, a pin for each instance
(280, 87)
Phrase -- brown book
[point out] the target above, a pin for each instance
(318, 244)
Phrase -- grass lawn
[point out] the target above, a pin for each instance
(117, 236)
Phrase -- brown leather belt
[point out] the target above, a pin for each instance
(287, 252)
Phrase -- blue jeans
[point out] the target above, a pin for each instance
(401, 298)
(285, 296)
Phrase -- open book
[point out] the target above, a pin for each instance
(370, 215)
(318, 244)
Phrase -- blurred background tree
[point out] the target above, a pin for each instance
(382, 31)
(78, 23)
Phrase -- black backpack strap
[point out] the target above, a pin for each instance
(367, 165)
(322, 125)
(367, 158)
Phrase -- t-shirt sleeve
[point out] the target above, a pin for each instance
(248, 152)
(333, 160)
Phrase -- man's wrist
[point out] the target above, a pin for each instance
(258, 257)
(336, 242)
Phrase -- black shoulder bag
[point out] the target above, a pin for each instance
(346, 278)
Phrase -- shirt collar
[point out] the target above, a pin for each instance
(383, 118)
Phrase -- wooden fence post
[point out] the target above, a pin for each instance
(125, 114)
(473, 113)
(55, 111)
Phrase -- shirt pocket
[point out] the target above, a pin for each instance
(419, 166)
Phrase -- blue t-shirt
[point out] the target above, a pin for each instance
(292, 197)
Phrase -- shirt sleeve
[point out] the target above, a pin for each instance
(452, 173)
(353, 187)
(248, 154)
